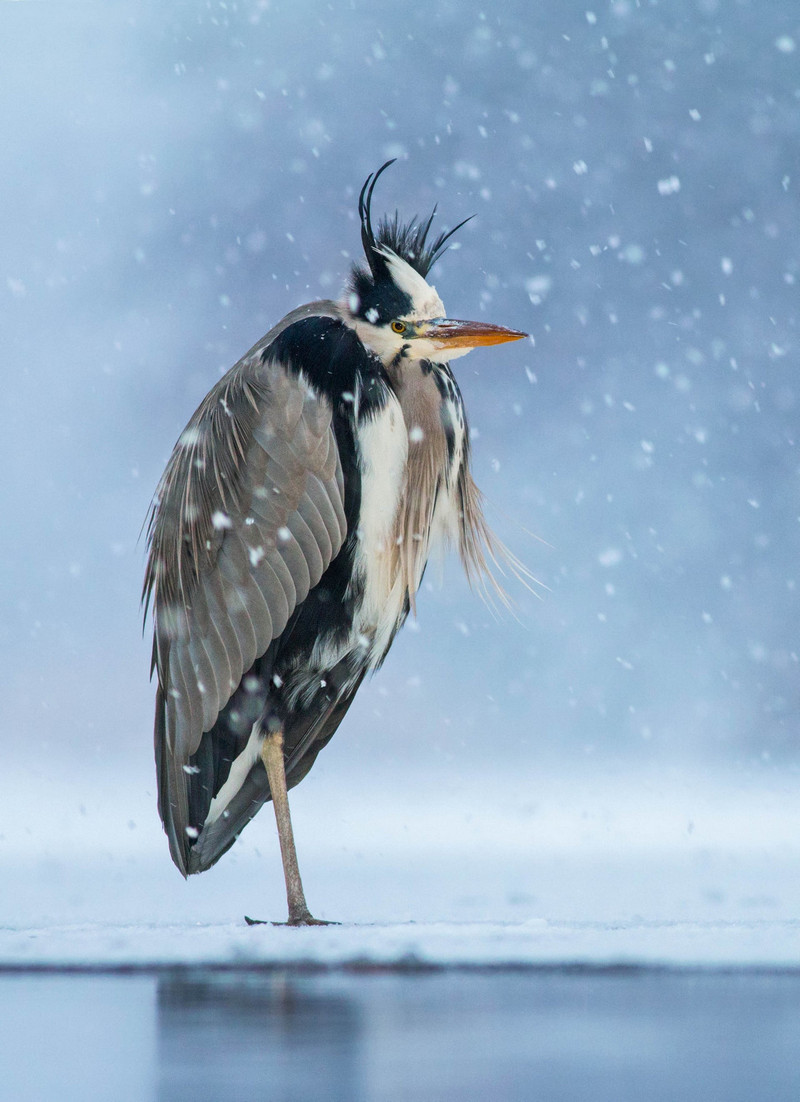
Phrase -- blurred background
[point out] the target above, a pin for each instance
(177, 176)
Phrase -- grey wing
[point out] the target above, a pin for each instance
(248, 516)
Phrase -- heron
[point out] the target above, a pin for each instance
(290, 531)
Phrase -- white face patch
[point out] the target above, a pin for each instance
(425, 302)
(425, 305)
(379, 339)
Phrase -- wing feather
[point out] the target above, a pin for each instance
(309, 546)
(319, 496)
(308, 512)
(221, 615)
(248, 516)
(274, 597)
(278, 591)
(292, 554)
(233, 568)
(257, 607)
(328, 465)
(218, 655)
(205, 676)
(185, 705)
(236, 608)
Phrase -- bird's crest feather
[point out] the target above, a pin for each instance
(407, 240)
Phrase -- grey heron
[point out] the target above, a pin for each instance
(290, 532)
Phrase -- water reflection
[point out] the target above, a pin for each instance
(618, 1036)
(242, 1036)
(203, 1036)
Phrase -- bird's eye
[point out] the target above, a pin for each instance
(398, 327)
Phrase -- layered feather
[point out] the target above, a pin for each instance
(248, 515)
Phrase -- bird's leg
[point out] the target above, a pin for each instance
(272, 756)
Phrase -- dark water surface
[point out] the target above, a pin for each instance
(553, 1035)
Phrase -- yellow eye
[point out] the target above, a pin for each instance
(398, 327)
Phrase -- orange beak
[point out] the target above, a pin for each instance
(447, 333)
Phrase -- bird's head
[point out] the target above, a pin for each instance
(390, 303)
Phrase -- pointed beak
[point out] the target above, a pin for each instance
(446, 333)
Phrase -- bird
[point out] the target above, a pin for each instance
(290, 531)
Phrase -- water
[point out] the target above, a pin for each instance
(453, 1036)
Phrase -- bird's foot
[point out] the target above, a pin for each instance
(293, 920)
(306, 920)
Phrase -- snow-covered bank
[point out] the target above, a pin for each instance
(533, 943)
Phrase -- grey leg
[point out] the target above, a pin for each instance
(272, 756)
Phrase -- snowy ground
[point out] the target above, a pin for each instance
(535, 943)
(599, 871)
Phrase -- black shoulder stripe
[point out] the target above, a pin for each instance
(329, 353)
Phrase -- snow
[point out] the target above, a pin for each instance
(534, 943)
(598, 871)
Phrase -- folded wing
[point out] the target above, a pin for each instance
(248, 516)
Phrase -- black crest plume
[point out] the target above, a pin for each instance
(409, 241)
